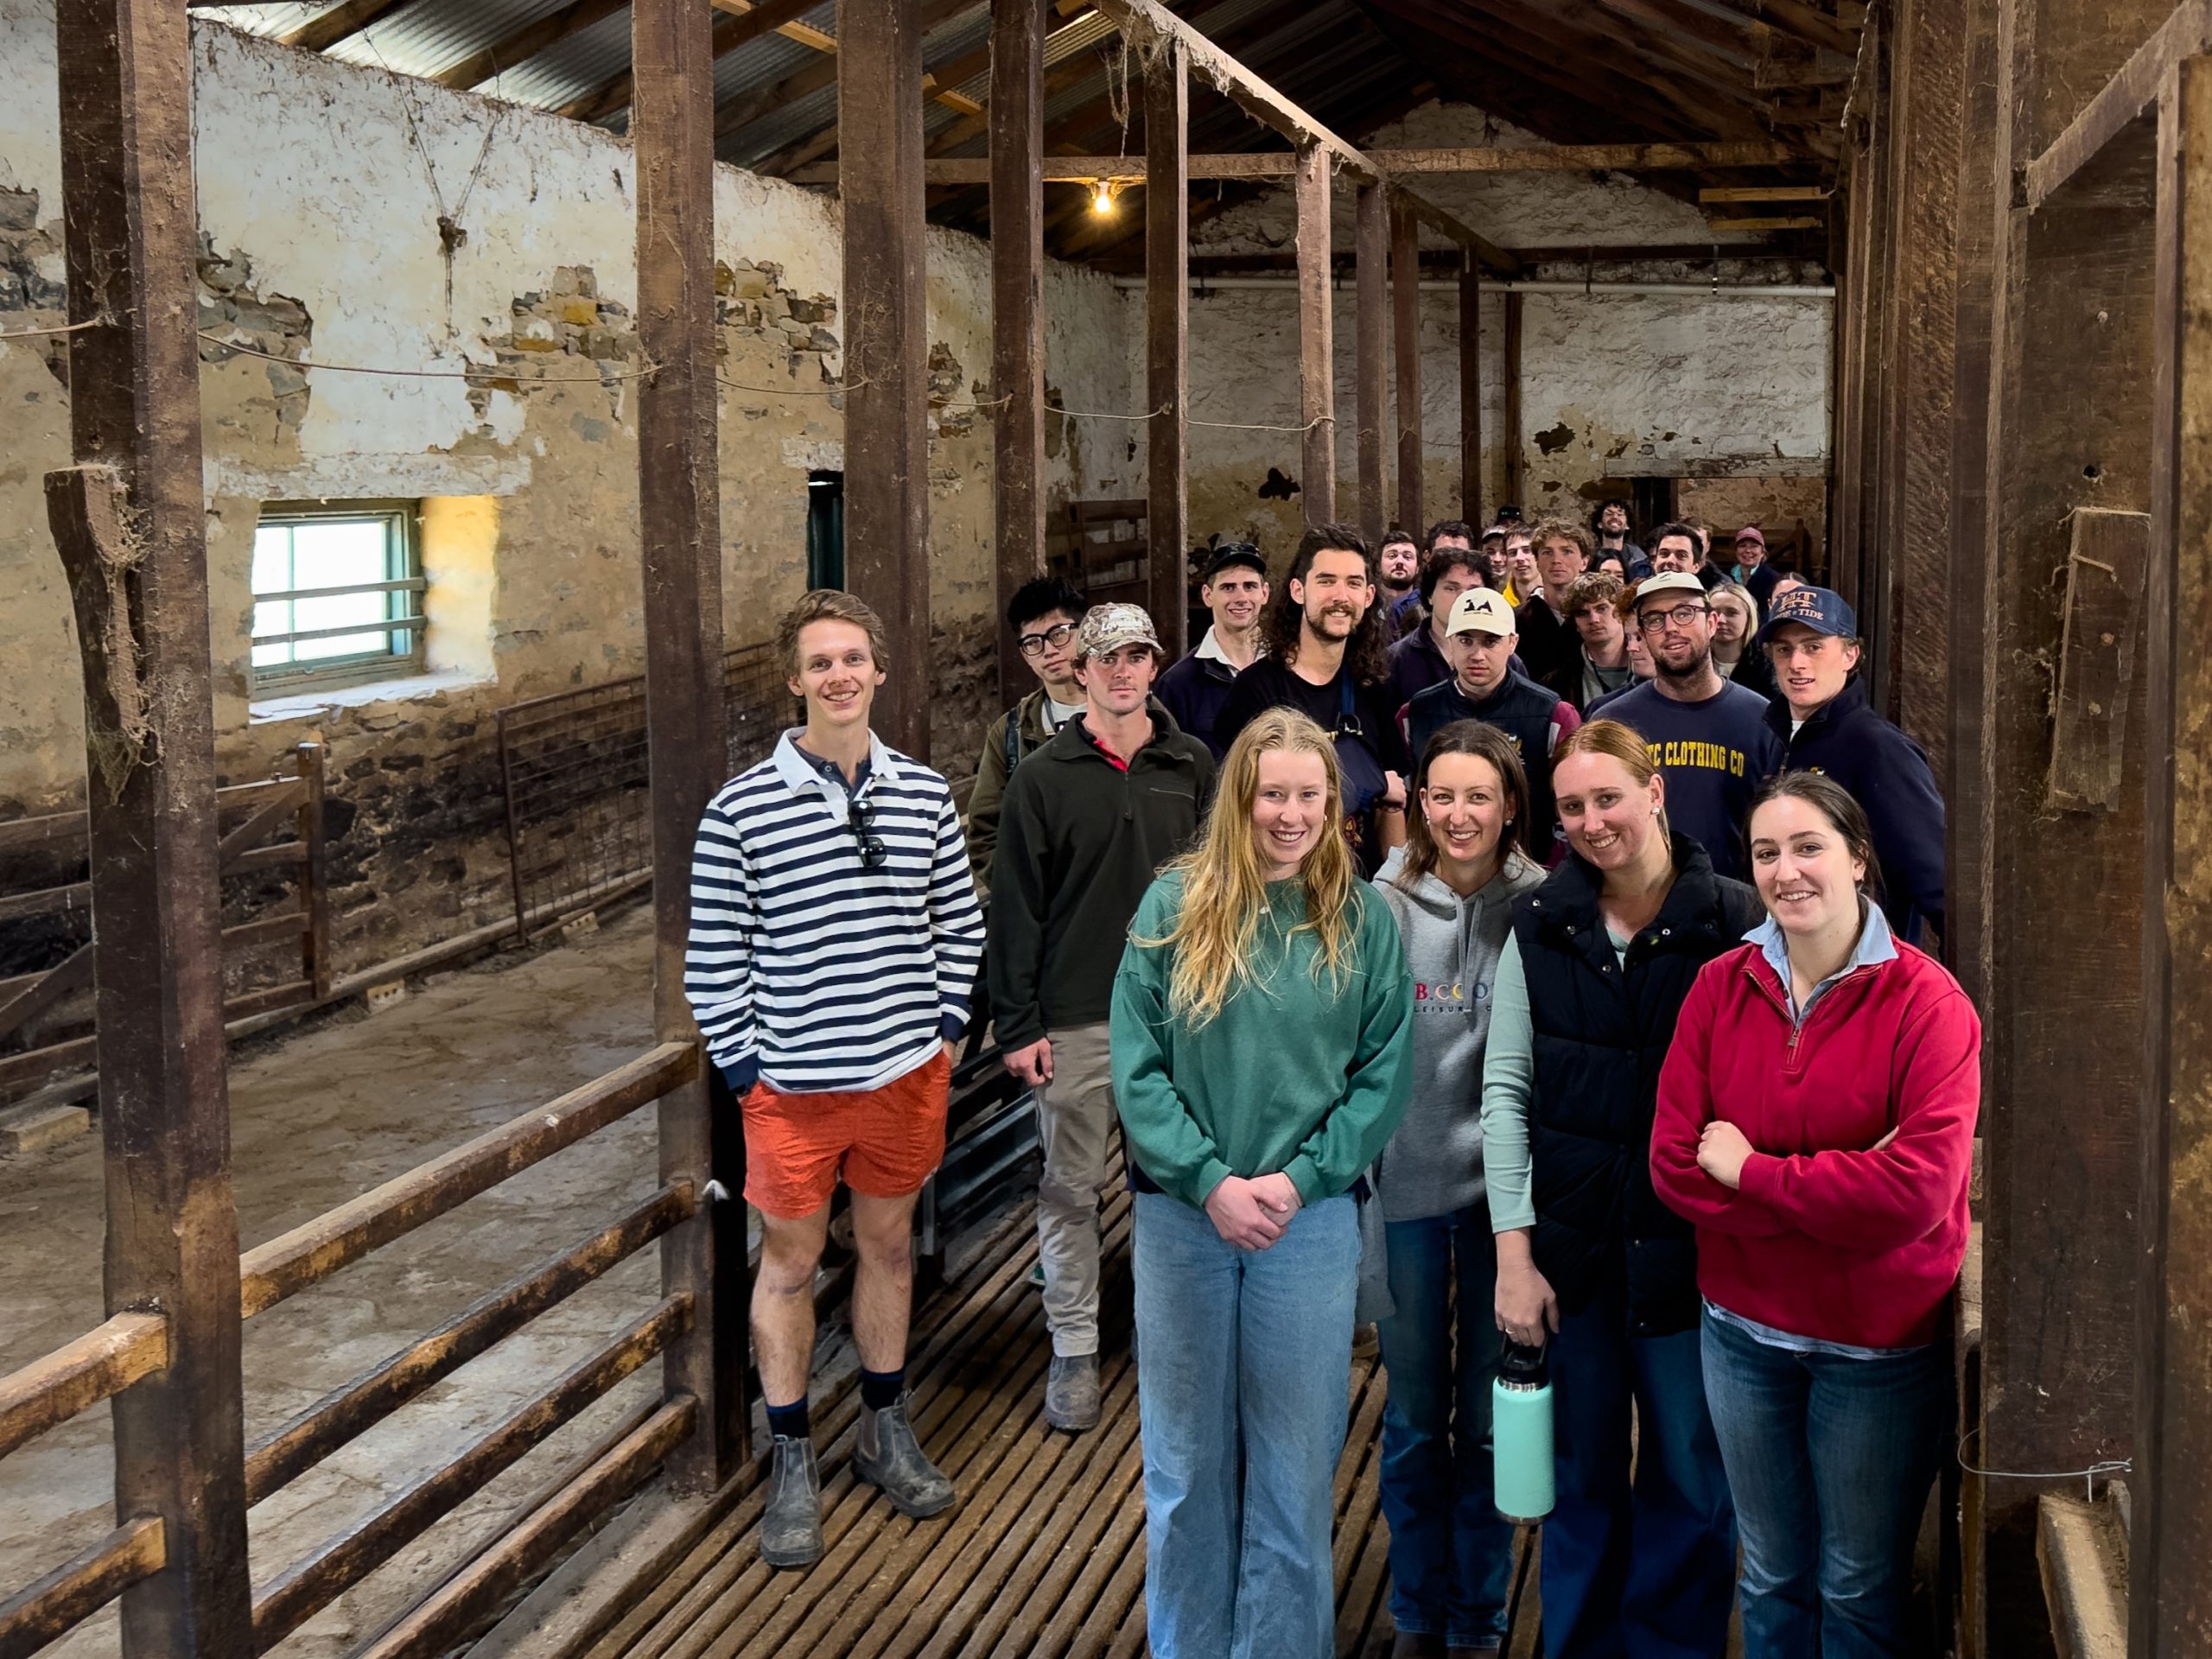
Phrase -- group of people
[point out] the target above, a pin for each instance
(1444, 966)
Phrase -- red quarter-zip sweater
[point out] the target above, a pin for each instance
(1827, 1236)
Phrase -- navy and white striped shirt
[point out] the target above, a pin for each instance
(806, 966)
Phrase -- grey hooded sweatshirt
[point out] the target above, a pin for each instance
(1433, 1165)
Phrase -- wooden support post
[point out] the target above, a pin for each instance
(1017, 116)
(679, 510)
(1405, 339)
(2169, 1599)
(130, 521)
(1167, 340)
(886, 348)
(1512, 437)
(1470, 389)
(2069, 439)
(1317, 372)
(1370, 368)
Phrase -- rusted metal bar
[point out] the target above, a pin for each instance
(1470, 390)
(350, 1409)
(129, 520)
(1370, 360)
(672, 132)
(314, 873)
(1167, 340)
(1017, 142)
(1405, 339)
(64, 1599)
(448, 1616)
(1317, 372)
(303, 1589)
(104, 1361)
(886, 412)
(314, 1250)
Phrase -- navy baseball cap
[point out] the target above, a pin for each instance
(1240, 555)
(1820, 609)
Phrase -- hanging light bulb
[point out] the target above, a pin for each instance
(1102, 196)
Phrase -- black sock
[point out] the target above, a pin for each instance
(790, 1421)
(882, 1388)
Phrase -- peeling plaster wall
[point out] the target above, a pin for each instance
(1607, 380)
(319, 201)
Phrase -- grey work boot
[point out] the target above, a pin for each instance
(888, 1457)
(1071, 1392)
(790, 1525)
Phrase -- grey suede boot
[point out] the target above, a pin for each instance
(1071, 1393)
(886, 1456)
(790, 1525)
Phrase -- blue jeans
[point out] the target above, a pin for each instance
(1830, 1458)
(1243, 1385)
(1450, 1552)
(1644, 1571)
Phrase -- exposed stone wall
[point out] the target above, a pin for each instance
(322, 186)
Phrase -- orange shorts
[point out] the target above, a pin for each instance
(885, 1142)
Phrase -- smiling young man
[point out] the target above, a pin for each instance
(1610, 524)
(835, 940)
(1822, 718)
(1708, 737)
(1088, 824)
(1044, 615)
(1561, 552)
(1486, 686)
(1235, 590)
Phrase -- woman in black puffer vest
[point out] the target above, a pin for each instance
(1586, 997)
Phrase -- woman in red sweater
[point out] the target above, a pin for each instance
(1815, 1122)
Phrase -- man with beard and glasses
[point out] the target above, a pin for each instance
(1325, 658)
(1708, 738)
(1235, 589)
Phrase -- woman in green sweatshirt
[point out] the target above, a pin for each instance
(1261, 1052)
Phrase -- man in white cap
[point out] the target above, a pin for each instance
(1089, 820)
(1480, 635)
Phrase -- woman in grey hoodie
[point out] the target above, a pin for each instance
(1451, 887)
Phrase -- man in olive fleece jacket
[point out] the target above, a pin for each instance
(1087, 822)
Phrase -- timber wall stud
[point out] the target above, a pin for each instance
(1167, 339)
(1017, 118)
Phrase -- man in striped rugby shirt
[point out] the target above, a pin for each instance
(835, 940)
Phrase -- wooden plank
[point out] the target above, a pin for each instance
(140, 598)
(671, 130)
(290, 924)
(340, 23)
(2121, 102)
(314, 874)
(2098, 658)
(1763, 193)
(1167, 343)
(1280, 164)
(2083, 1557)
(74, 896)
(56, 827)
(1370, 361)
(59, 1601)
(1471, 392)
(2169, 1610)
(351, 1409)
(1405, 338)
(283, 855)
(312, 1583)
(887, 343)
(102, 1363)
(730, 32)
(1317, 367)
(42, 991)
(1770, 222)
(464, 1601)
(314, 1250)
(1515, 438)
(1017, 140)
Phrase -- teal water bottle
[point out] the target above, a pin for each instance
(1521, 1433)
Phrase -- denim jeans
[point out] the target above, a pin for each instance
(1830, 1458)
(1243, 1385)
(1450, 1552)
(1647, 1571)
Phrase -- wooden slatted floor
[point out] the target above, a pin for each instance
(1044, 1554)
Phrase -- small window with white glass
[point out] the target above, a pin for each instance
(337, 597)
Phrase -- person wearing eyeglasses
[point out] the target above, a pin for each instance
(1708, 738)
(1235, 589)
(1087, 825)
(1044, 615)
(834, 947)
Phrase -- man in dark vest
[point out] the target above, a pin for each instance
(1479, 636)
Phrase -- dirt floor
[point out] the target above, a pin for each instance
(318, 1115)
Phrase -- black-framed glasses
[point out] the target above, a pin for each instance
(860, 820)
(1681, 616)
(1036, 644)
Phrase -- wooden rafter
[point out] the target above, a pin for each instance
(528, 41)
(340, 23)
(730, 32)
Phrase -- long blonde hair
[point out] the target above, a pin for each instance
(1225, 890)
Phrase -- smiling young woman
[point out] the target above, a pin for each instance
(1262, 1051)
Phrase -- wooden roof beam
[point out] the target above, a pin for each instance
(522, 44)
(730, 33)
(342, 23)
